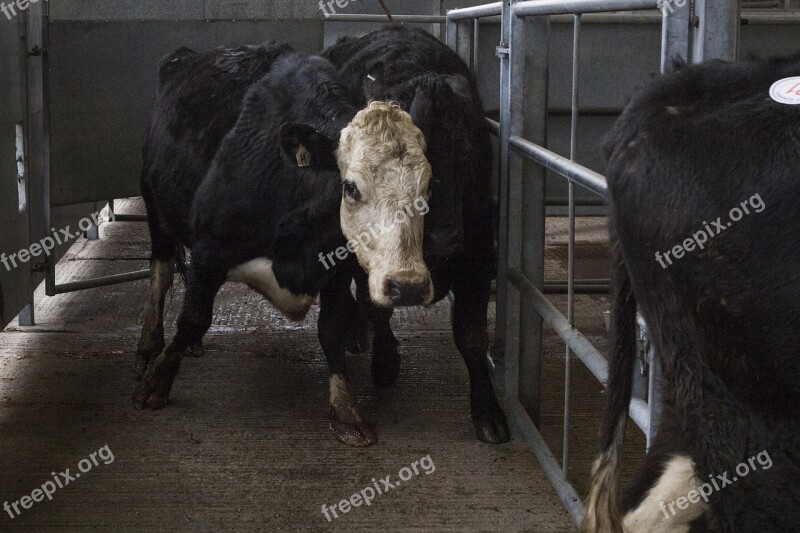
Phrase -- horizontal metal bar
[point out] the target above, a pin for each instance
(559, 288)
(560, 201)
(409, 19)
(580, 345)
(753, 17)
(486, 10)
(100, 282)
(574, 172)
(494, 127)
(765, 18)
(560, 7)
(569, 497)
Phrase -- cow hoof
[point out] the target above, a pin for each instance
(153, 390)
(492, 428)
(385, 363)
(359, 434)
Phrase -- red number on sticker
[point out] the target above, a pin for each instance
(790, 91)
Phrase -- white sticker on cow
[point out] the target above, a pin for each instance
(259, 276)
(786, 91)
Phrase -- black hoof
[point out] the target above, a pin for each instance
(491, 427)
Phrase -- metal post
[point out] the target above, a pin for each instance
(717, 33)
(573, 154)
(507, 322)
(452, 34)
(476, 45)
(530, 39)
(464, 45)
(675, 36)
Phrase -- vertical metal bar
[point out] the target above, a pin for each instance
(507, 322)
(717, 34)
(653, 397)
(476, 45)
(452, 34)
(530, 79)
(464, 46)
(573, 154)
(675, 35)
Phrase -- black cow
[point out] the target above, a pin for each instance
(434, 85)
(241, 161)
(704, 176)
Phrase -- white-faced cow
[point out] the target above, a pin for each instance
(434, 85)
(241, 165)
(704, 176)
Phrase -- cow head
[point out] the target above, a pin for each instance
(445, 109)
(384, 178)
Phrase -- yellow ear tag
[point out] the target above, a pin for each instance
(303, 157)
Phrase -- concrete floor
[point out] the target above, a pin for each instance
(244, 444)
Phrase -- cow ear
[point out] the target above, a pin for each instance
(374, 85)
(460, 86)
(305, 147)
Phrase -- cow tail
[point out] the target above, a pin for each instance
(602, 504)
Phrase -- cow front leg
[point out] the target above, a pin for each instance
(347, 423)
(385, 357)
(203, 283)
(470, 331)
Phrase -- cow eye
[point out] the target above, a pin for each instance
(351, 190)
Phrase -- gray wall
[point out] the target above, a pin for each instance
(13, 224)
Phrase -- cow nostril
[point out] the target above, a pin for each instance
(393, 289)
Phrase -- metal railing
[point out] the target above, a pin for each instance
(522, 306)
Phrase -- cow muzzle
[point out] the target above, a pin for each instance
(402, 293)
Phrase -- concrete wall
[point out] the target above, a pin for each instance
(182, 9)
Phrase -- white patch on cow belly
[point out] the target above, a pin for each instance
(259, 276)
(677, 481)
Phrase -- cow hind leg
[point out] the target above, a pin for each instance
(347, 423)
(203, 283)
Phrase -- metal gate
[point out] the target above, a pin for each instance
(522, 306)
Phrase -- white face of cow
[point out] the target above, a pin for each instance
(385, 177)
